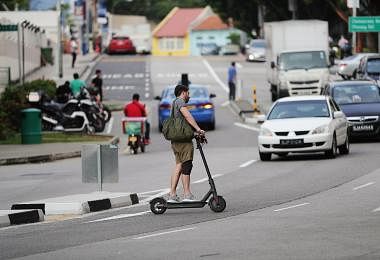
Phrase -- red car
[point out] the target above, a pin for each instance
(121, 44)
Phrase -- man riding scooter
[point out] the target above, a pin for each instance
(136, 109)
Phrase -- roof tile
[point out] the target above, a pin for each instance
(178, 24)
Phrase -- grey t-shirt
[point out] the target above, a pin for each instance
(178, 103)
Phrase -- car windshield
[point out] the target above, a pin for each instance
(195, 92)
(354, 94)
(258, 44)
(353, 57)
(373, 66)
(120, 38)
(299, 109)
(303, 60)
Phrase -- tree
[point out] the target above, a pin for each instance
(11, 4)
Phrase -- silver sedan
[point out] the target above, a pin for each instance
(348, 66)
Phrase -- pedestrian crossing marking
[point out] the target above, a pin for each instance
(177, 75)
(119, 87)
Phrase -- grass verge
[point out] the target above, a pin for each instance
(60, 138)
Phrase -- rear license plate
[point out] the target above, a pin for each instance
(362, 128)
(291, 141)
(133, 139)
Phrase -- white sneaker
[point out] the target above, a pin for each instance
(189, 198)
(173, 199)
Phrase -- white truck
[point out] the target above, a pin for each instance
(296, 57)
(136, 27)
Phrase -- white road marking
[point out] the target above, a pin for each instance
(121, 216)
(160, 194)
(212, 72)
(165, 233)
(363, 186)
(247, 127)
(127, 76)
(116, 76)
(206, 179)
(375, 210)
(225, 103)
(110, 123)
(153, 191)
(238, 65)
(147, 95)
(292, 207)
(147, 89)
(247, 163)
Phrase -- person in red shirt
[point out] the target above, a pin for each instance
(137, 109)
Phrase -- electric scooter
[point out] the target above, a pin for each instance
(216, 202)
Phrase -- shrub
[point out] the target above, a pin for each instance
(14, 99)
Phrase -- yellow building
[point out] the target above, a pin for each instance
(172, 34)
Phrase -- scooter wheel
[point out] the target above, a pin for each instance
(158, 206)
(217, 204)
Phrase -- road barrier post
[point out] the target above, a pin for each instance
(254, 97)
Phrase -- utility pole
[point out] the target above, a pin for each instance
(353, 4)
(292, 6)
(354, 33)
(59, 59)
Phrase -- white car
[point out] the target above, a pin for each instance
(347, 68)
(302, 124)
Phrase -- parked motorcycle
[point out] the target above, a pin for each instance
(92, 110)
(104, 110)
(60, 117)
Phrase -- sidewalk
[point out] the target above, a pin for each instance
(83, 67)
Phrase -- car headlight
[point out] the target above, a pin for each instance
(265, 132)
(321, 130)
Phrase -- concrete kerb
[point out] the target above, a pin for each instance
(17, 217)
(80, 203)
(247, 119)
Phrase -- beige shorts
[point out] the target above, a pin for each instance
(183, 152)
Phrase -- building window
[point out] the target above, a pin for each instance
(211, 37)
(199, 38)
(171, 43)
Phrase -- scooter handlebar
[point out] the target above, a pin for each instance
(200, 137)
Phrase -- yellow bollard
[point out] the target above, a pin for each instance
(255, 106)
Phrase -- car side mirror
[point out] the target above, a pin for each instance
(272, 65)
(338, 114)
(157, 98)
(260, 119)
(212, 95)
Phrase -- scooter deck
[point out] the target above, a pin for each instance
(190, 204)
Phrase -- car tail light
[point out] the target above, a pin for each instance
(342, 65)
(165, 106)
(206, 106)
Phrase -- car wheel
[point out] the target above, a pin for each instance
(345, 148)
(211, 126)
(332, 152)
(265, 156)
(274, 92)
(160, 127)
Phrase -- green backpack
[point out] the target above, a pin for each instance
(177, 129)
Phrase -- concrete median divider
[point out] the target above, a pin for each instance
(79, 204)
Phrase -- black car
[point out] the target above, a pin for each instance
(369, 68)
(360, 102)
